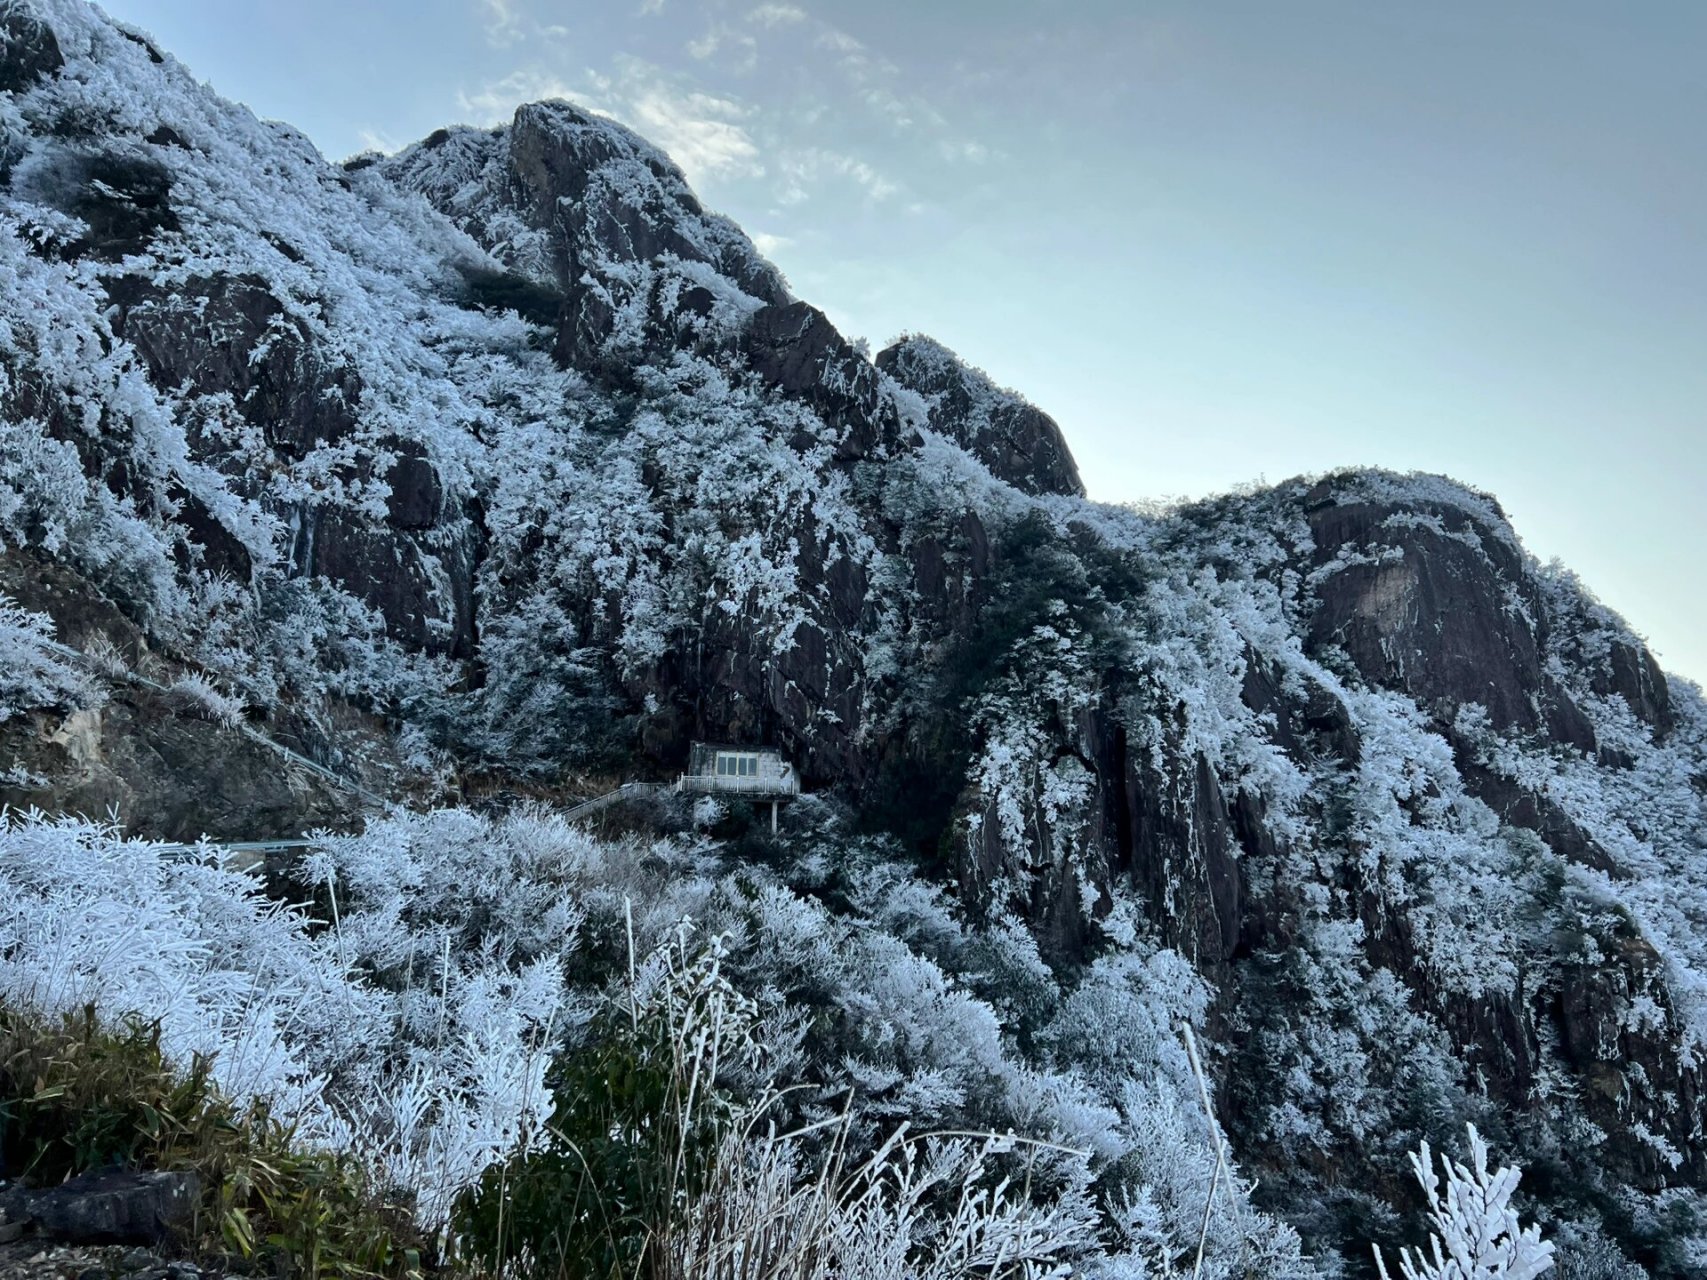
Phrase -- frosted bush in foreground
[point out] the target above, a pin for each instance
(680, 1089)
(428, 1082)
(877, 1219)
(409, 1014)
(1476, 1232)
(928, 1207)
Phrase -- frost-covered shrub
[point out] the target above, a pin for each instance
(34, 672)
(637, 1116)
(426, 1081)
(105, 657)
(916, 1208)
(194, 694)
(410, 1013)
(1584, 1253)
(80, 1096)
(656, 1165)
(1475, 1232)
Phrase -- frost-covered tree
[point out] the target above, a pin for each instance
(33, 671)
(1476, 1233)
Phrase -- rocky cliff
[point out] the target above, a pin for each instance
(502, 456)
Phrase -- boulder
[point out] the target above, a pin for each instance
(109, 1206)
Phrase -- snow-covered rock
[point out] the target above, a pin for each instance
(503, 454)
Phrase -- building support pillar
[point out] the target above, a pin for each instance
(773, 817)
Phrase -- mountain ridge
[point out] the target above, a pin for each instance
(500, 457)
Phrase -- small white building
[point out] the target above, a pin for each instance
(757, 773)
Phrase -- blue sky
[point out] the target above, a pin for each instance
(1219, 241)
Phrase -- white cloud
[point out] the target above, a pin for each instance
(700, 131)
(374, 140)
(890, 105)
(715, 135)
(873, 77)
(804, 170)
(740, 51)
(777, 15)
(503, 21)
(496, 102)
(965, 150)
(767, 244)
(839, 41)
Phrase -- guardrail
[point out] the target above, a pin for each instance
(772, 786)
(254, 735)
(624, 792)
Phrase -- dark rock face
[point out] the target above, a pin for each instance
(1533, 811)
(1185, 856)
(125, 199)
(112, 1207)
(557, 154)
(123, 193)
(161, 773)
(1633, 1078)
(230, 334)
(1633, 675)
(164, 775)
(28, 48)
(793, 346)
(796, 349)
(417, 498)
(557, 157)
(424, 594)
(1017, 441)
(1434, 604)
(595, 201)
(215, 547)
(1316, 725)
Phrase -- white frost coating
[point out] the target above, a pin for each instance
(34, 672)
(415, 1030)
(620, 528)
(1476, 1233)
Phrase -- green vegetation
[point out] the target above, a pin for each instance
(512, 291)
(77, 1095)
(631, 1144)
(1036, 578)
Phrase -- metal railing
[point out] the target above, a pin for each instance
(609, 798)
(776, 784)
(254, 735)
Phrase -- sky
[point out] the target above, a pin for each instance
(1220, 241)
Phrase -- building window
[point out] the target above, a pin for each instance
(734, 764)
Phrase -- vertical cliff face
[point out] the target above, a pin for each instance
(502, 453)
